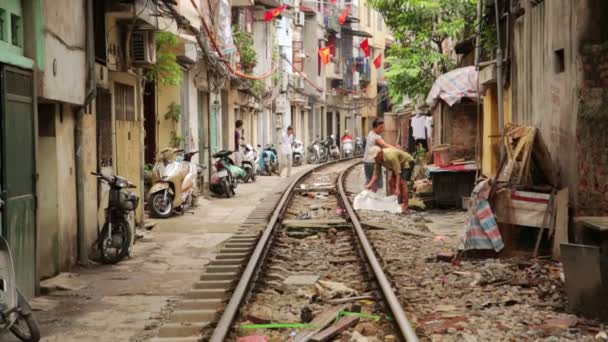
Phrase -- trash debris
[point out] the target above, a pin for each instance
(331, 289)
(253, 338)
(369, 200)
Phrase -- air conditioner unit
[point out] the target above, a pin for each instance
(143, 47)
(299, 83)
(299, 18)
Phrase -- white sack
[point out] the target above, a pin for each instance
(369, 200)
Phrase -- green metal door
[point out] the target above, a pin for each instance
(18, 173)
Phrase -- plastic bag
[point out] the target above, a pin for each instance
(369, 200)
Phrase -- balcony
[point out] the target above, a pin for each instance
(358, 73)
(334, 71)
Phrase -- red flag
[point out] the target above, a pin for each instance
(365, 47)
(273, 13)
(378, 61)
(325, 55)
(342, 18)
(332, 1)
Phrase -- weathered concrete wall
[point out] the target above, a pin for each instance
(544, 84)
(66, 188)
(47, 238)
(64, 44)
(167, 94)
(592, 115)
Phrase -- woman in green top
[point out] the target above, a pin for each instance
(399, 162)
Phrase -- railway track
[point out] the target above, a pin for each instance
(309, 268)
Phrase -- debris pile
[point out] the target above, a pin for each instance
(478, 300)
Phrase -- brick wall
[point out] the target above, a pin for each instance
(460, 125)
(592, 133)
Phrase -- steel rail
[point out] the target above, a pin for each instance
(240, 292)
(396, 309)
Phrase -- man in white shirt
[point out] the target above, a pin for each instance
(286, 151)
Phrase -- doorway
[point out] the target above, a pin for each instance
(329, 123)
(18, 172)
(150, 147)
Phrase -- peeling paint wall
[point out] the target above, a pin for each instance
(66, 186)
(64, 44)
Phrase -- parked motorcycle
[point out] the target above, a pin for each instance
(269, 161)
(334, 150)
(347, 148)
(250, 162)
(359, 146)
(317, 152)
(173, 188)
(114, 241)
(298, 152)
(223, 182)
(15, 311)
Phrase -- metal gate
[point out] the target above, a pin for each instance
(17, 166)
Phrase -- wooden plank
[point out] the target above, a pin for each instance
(319, 323)
(343, 324)
(561, 222)
(320, 224)
(599, 223)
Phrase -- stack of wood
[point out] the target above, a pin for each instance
(528, 162)
(526, 191)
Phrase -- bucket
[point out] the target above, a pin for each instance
(441, 155)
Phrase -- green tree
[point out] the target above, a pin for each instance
(420, 27)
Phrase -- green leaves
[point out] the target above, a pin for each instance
(166, 70)
(420, 27)
(244, 43)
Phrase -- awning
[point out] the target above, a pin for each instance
(350, 31)
(455, 85)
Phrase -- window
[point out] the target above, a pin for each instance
(99, 30)
(559, 61)
(124, 102)
(379, 21)
(16, 30)
(2, 24)
(369, 15)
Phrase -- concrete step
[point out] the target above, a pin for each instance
(239, 244)
(231, 256)
(231, 250)
(226, 262)
(222, 269)
(207, 294)
(245, 236)
(199, 304)
(219, 276)
(192, 316)
(175, 339)
(213, 284)
(181, 329)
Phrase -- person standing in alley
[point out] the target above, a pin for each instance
(286, 151)
(237, 141)
(400, 163)
(374, 138)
